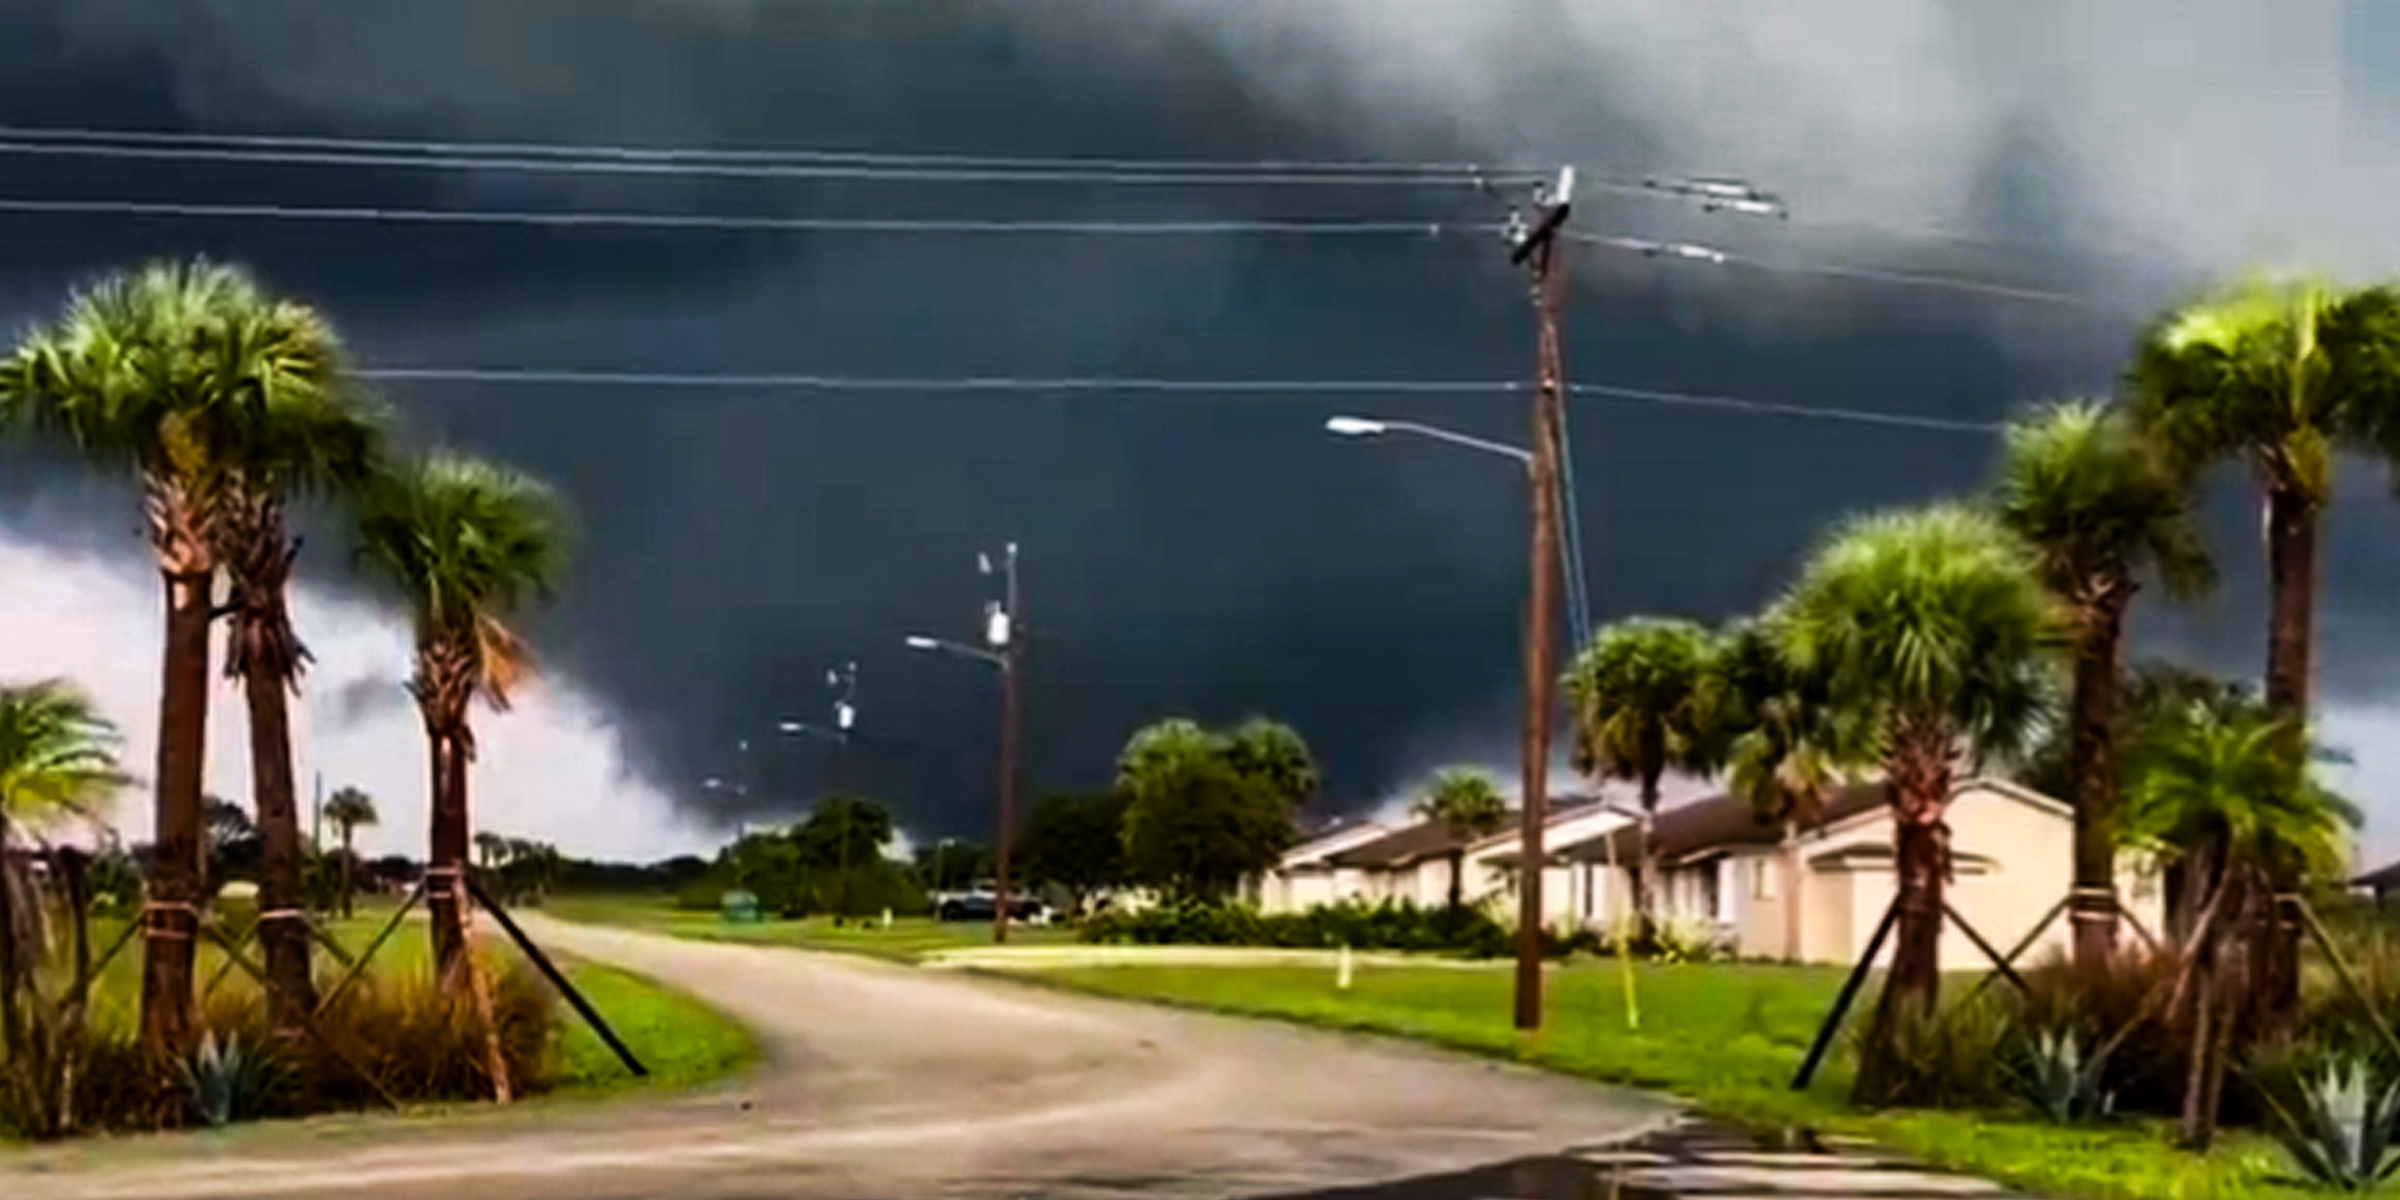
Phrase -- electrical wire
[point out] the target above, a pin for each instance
(706, 221)
(854, 172)
(731, 154)
(1137, 385)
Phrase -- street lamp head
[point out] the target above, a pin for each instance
(1353, 426)
(791, 727)
(844, 716)
(712, 783)
(918, 641)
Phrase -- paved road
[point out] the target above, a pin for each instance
(888, 1081)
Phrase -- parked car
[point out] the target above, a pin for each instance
(980, 906)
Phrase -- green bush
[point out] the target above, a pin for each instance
(1951, 1056)
(1387, 926)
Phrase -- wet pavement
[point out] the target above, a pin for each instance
(1689, 1159)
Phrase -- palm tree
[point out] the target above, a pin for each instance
(468, 544)
(58, 760)
(490, 848)
(349, 808)
(313, 434)
(1469, 807)
(2101, 507)
(1784, 741)
(1932, 625)
(2224, 789)
(2278, 375)
(1638, 713)
(157, 371)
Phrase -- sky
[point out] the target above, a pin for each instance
(1204, 556)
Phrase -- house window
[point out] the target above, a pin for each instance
(1762, 879)
(1708, 892)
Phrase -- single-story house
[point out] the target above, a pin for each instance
(1410, 863)
(2380, 884)
(1818, 895)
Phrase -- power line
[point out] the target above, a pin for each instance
(818, 171)
(708, 221)
(1652, 249)
(915, 226)
(1138, 385)
(730, 154)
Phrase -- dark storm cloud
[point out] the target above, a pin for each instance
(1204, 556)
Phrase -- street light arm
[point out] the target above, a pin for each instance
(957, 648)
(1459, 439)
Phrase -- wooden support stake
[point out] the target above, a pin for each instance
(2139, 930)
(550, 971)
(2023, 944)
(479, 987)
(226, 968)
(308, 1022)
(331, 946)
(365, 956)
(2341, 970)
(1849, 993)
(2001, 964)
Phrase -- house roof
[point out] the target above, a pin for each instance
(2383, 878)
(1330, 841)
(1403, 846)
(1717, 822)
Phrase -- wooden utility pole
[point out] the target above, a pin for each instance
(1539, 248)
(1006, 630)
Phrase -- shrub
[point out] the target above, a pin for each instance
(2145, 1073)
(2338, 1126)
(1387, 926)
(1948, 1057)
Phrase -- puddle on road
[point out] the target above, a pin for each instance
(1559, 1178)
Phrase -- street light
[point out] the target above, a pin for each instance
(1000, 620)
(1373, 427)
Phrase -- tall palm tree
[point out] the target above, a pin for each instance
(349, 808)
(491, 849)
(1784, 741)
(313, 434)
(469, 545)
(1638, 714)
(1932, 625)
(2224, 789)
(2101, 507)
(1469, 806)
(2278, 375)
(58, 759)
(155, 371)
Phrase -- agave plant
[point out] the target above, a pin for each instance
(226, 1081)
(2059, 1081)
(2344, 1139)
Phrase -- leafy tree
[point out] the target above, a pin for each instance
(58, 760)
(1932, 626)
(1075, 843)
(467, 545)
(491, 849)
(349, 808)
(168, 371)
(2225, 789)
(1204, 809)
(1469, 806)
(843, 841)
(1636, 691)
(231, 840)
(2101, 508)
(1785, 739)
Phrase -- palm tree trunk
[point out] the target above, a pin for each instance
(1458, 878)
(2091, 764)
(445, 893)
(2291, 638)
(282, 934)
(171, 917)
(1919, 786)
(12, 1048)
(348, 856)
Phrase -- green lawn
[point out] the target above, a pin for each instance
(1729, 1037)
(907, 940)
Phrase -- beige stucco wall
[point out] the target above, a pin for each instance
(2030, 851)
